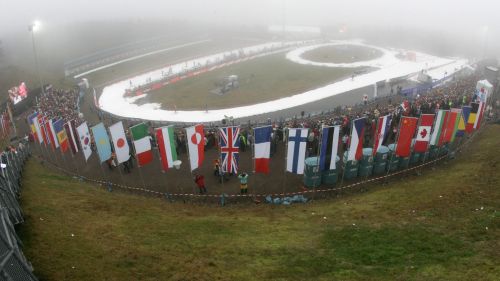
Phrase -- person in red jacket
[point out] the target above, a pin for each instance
(200, 182)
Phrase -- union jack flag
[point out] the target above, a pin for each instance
(229, 148)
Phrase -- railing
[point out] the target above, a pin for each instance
(13, 263)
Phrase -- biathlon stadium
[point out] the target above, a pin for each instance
(252, 156)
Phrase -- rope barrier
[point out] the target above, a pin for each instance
(145, 190)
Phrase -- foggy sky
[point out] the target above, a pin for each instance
(449, 15)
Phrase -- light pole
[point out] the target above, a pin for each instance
(32, 28)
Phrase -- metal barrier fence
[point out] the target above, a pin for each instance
(13, 263)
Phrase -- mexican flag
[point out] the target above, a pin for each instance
(142, 143)
(166, 146)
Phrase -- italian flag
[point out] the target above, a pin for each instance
(142, 144)
(166, 146)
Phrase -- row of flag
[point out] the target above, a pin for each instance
(417, 133)
(430, 129)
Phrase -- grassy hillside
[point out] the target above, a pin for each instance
(442, 225)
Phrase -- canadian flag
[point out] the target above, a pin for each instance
(424, 133)
(196, 145)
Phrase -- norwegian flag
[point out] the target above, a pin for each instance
(229, 148)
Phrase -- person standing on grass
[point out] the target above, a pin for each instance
(243, 183)
(200, 182)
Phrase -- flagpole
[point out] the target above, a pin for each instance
(345, 159)
(160, 162)
(139, 166)
(287, 135)
(395, 144)
(427, 152)
(189, 159)
(253, 162)
(320, 143)
(114, 148)
(221, 169)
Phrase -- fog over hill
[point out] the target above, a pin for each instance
(74, 28)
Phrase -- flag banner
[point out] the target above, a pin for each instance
(424, 133)
(166, 146)
(101, 140)
(229, 148)
(383, 128)
(449, 126)
(438, 127)
(442, 136)
(142, 143)
(51, 132)
(84, 137)
(37, 128)
(406, 132)
(40, 121)
(296, 152)
(62, 138)
(120, 143)
(357, 136)
(71, 133)
(195, 137)
(457, 115)
(469, 127)
(479, 115)
(464, 117)
(262, 149)
(329, 148)
(32, 125)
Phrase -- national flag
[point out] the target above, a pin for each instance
(38, 130)
(51, 133)
(438, 127)
(464, 117)
(122, 151)
(406, 132)
(196, 145)
(357, 136)
(480, 114)
(457, 115)
(40, 120)
(383, 128)
(296, 154)
(62, 138)
(262, 148)
(424, 133)
(84, 137)
(329, 148)
(449, 127)
(166, 146)
(469, 127)
(101, 140)
(229, 148)
(72, 135)
(32, 125)
(142, 143)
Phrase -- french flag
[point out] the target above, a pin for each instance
(357, 136)
(262, 149)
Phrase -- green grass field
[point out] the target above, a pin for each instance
(342, 54)
(263, 79)
(441, 225)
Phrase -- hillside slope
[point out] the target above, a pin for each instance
(441, 225)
